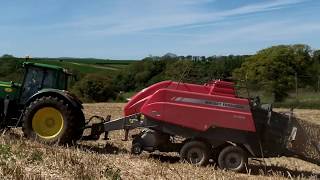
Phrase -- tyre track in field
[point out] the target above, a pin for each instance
(94, 66)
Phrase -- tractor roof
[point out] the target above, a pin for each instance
(47, 66)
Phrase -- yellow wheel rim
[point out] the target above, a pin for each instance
(47, 122)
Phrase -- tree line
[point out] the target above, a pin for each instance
(272, 70)
(276, 70)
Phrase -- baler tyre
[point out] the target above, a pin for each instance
(136, 149)
(137, 146)
(195, 152)
(51, 120)
(233, 158)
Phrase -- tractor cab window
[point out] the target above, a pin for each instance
(49, 80)
(38, 78)
(63, 81)
(32, 82)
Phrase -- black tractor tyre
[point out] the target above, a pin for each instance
(195, 152)
(80, 119)
(233, 158)
(72, 118)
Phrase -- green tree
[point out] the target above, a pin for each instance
(179, 70)
(273, 69)
(95, 87)
(316, 56)
(314, 71)
(8, 56)
(10, 69)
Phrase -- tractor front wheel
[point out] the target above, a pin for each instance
(52, 120)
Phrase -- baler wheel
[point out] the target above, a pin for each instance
(195, 152)
(136, 149)
(233, 158)
(137, 146)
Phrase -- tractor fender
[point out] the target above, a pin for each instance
(67, 96)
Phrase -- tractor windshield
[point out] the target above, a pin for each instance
(63, 81)
(32, 82)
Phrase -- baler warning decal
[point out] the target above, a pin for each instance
(211, 103)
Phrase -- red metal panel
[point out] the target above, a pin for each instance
(199, 111)
(193, 106)
(190, 87)
(137, 101)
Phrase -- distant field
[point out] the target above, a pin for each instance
(87, 65)
(306, 99)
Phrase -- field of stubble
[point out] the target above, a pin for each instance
(24, 159)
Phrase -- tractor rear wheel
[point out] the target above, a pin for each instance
(195, 152)
(52, 120)
(233, 158)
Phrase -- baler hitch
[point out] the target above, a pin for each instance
(126, 123)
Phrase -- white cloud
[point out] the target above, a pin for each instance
(261, 32)
(169, 14)
(192, 2)
(253, 8)
(180, 17)
(145, 15)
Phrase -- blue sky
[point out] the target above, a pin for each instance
(133, 29)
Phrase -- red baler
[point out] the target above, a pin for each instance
(202, 122)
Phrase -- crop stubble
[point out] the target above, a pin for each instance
(310, 119)
(25, 159)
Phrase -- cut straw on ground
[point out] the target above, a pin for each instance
(25, 159)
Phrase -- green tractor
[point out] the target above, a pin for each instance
(42, 106)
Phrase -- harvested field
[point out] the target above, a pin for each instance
(310, 115)
(308, 134)
(21, 158)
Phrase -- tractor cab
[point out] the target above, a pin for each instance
(42, 76)
(37, 77)
(41, 106)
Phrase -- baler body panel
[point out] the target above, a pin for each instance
(138, 100)
(198, 107)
